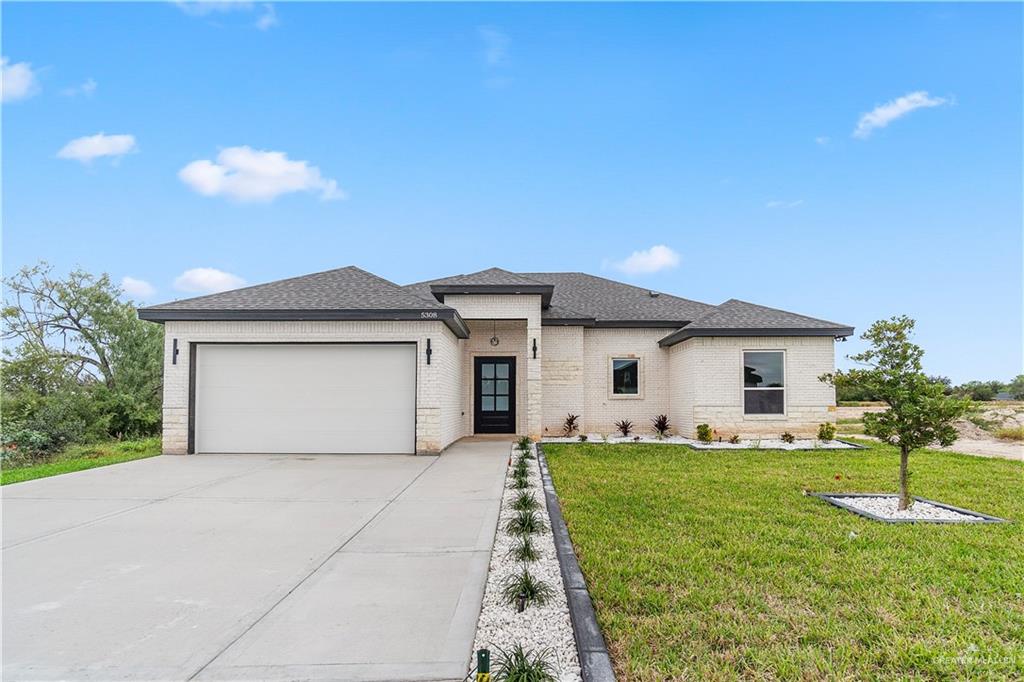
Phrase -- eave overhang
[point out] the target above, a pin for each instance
(450, 317)
(685, 333)
(545, 291)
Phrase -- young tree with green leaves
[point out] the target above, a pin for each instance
(920, 413)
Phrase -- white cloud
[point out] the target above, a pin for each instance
(90, 147)
(496, 45)
(207, 281)
(247, 174)
(87, 88)
(784, 204)
(201, 8)
(654, 259)
(823, 140)
(17, 81)
(884, 114)
(137, 288)
(268, 19)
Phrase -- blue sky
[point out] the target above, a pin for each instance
(849, 162)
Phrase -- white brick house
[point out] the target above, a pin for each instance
(344, 361)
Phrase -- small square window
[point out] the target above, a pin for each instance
(502, 371)
(625, 377)
(487, 403)
(487, 371)
(501, 403)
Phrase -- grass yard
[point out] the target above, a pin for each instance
(713, 565)
(79, 457)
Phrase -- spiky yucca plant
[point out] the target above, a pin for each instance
(526, 523)
(522, 665)
(533, 589)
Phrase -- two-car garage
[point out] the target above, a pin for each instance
(303, 398)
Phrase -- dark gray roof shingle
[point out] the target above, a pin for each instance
(578, 294)
(488, 277)
(348, 288)
(740, 318)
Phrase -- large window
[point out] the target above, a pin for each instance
(625, 376)
(764, 382)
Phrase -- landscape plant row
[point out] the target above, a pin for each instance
(705, 433)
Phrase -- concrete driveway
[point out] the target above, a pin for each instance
(346, 567)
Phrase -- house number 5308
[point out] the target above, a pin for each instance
(429, 316)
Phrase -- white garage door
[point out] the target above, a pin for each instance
(305, 398)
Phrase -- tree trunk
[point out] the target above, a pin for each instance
(904, 479)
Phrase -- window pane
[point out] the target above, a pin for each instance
(501, 387)
(501, 403)
(625, 377)
(487, 386)
(762, 369)
(487, 371)
(487, 403)
(764, 402)
(502, 370)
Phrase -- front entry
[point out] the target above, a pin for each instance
(494, 395)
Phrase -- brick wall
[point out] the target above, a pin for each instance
(600, 409)
(707, 385)
(562, 367)
(438, 418)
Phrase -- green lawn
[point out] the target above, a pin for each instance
(713, 565)
(79, 457)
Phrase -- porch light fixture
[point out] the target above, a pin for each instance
(494, 333)
(429, 351)
(174, 352)
(535, 348)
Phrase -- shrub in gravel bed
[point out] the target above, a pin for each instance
(520, 482)
(525, 584)
(521, 665)
(525, 502)
(524, 550)
(526, 523)
(524, 443)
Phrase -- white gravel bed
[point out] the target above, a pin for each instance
(885, 506)
(744, 444)
(538, 627)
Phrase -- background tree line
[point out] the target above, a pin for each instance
(975, 390)
(78, 365)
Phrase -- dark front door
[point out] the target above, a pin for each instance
(494, 399)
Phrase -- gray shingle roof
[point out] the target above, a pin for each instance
(348, 288)
(740, 318)
(488, 277)
(578, 294)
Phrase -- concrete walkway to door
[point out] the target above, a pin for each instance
(350, 567)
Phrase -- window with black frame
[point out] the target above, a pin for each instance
(764, 382)
(625, 376)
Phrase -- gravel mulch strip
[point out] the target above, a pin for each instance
(539, 627)
(883, 507)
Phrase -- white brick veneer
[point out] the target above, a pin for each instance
(439, 385)
(707, 385)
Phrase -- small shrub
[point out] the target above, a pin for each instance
(525, 502)
(826, 432)
(625, 427)
(755, 444)
(583, 438)
(535, 590)
(524, 550)
(1014, 433)
(571, 424)
(787, 437)
(734, 439)
(661, 425)
(525, 523)
(704, 433)
(519, 482)
(524, 443)
(521, 665)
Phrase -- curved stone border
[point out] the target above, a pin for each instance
(595, 663)
(978, 516)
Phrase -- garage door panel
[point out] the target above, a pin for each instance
(315, 398)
